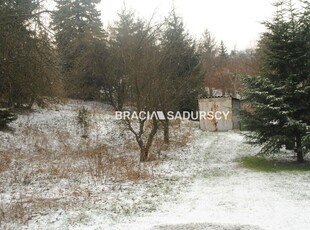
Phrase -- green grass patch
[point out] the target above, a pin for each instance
(260, 163)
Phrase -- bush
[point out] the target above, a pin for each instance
(83, 120)
(6, 116)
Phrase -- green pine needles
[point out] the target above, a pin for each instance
(279, 99)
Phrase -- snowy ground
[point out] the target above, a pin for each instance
(51, 183)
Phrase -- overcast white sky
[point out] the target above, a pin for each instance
(236, 22)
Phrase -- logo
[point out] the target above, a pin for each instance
(170, 115)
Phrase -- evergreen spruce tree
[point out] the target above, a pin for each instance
(305, 36)
(124, 45)
(27, 60)
(179, 70)
(223, 51)
(207, 52)
(180, 65)
(280, 96)
(81, 45)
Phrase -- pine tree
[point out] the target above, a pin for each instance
(180, 65)
(280, 97)
(223, 51)
(27, 70)
(123, 47)
(179, 70)
(81, 45)
(207, 53)
(305, 35)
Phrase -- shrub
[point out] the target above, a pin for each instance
(6, 116)
(83, 120)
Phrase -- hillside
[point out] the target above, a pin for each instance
(53, 178)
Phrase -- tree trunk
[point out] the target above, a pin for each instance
(143, 154)
(300, 156)
(166, 131)
(144, 150)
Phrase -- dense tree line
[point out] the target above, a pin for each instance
(133, 62)
(77, 54)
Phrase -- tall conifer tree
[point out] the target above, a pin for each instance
(81, 45)
(27, 60)
(280, 96)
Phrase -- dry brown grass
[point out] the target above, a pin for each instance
(58, 171)
(13, 212)
(5, 160)
(182, 140)
(102, 163)
(27, 207)
(97, 159)
(126, 168)
(178, 139)
(42, 162)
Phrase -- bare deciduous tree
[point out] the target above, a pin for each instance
(132, 78)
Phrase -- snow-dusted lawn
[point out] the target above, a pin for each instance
(224, 193)
(49, 184)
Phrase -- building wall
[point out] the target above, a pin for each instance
(235, 113)
(217, 104)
